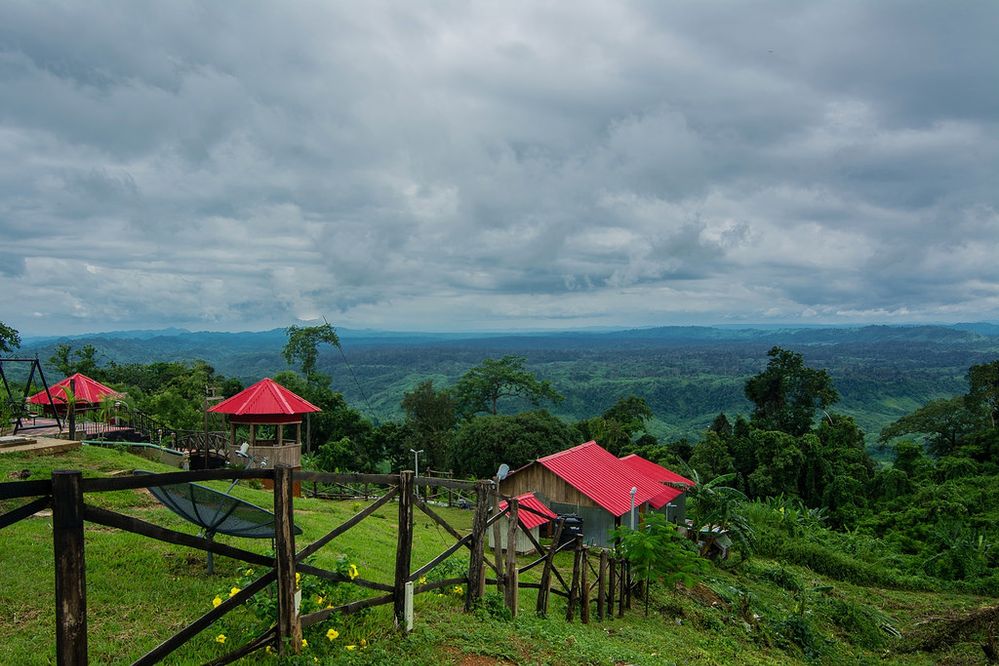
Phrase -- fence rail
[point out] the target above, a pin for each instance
(66, 493)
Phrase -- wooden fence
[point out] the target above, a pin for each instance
(66, 491)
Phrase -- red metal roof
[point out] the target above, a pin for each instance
(265, 398)
(528, 519)
(87, 391)
(605, 479)
(658, 473)
(655, 471)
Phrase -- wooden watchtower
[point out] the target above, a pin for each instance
(274, 408)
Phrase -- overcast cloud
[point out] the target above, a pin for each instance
(458, 165)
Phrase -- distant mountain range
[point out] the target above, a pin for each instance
(686, 373)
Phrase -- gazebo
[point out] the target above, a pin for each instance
(271, 405)
(88, 393)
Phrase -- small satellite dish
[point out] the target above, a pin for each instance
(503, 470)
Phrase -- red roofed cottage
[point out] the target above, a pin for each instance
(591, 482)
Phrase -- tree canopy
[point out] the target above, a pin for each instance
(10, 339)
(303, 346)
(788, 393)
(481, 388)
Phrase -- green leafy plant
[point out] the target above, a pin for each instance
(656, 551)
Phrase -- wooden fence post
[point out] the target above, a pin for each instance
(544, 592)
(497, 546)
(602, 586)
(628, 585)
(512, 584)
(404, 548)
(611, 586)
(70, 568)
(476, 562)
(622, 581)
(289, 626)
(574, 588)
(584, 586)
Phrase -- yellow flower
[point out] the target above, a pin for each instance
(458, 589)
(220, 639)
(422, 581)
(269, 650)
(364, 643)
(249, 572)
(305, 643)
(319, 600)
(217, 601)
(351, 647)
(352, 571)
(298, 579)
(233, 592)
(332, 634)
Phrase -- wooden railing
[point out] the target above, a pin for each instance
(66, 493)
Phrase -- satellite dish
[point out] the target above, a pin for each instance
(503, 470)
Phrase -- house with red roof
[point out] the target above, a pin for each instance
(676, 509)
(531, 515)
(591, 482)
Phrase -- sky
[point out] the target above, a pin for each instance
(497, 165)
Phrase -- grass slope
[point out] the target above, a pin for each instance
(140, 591)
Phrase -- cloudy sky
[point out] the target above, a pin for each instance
(456, 165)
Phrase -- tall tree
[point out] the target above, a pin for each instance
(788, 393)
(303, 347)
(481, 388)
(430, 420)
(983, 393)
(10, 339)
(484, 442)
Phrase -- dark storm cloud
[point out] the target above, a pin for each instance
(474, 165)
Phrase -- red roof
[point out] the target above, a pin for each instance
(654, 471)
(528, 519)
(601, 476)
(265, 398)
(87, 391)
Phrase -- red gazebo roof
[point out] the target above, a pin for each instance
(87, 391)
(263, 399)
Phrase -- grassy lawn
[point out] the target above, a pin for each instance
(140, 591)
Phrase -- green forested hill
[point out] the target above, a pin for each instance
(687, 374)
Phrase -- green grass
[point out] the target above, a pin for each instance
(141, 591)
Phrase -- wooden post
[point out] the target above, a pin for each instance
(512, 591)
(628, 585)
(544, 592)
(70, 568)
(404, 547)
(584, 586)
(72, 409)
(622, 581)
(602, 586)
(476, 562)
(497, 546)
(289, 627)
(611, 587)
(574, 587)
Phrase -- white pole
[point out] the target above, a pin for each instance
(633, 491)
(416, 462)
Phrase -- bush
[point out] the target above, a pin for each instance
(781, 577)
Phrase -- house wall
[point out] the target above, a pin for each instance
(542, 481)
(523, 544)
